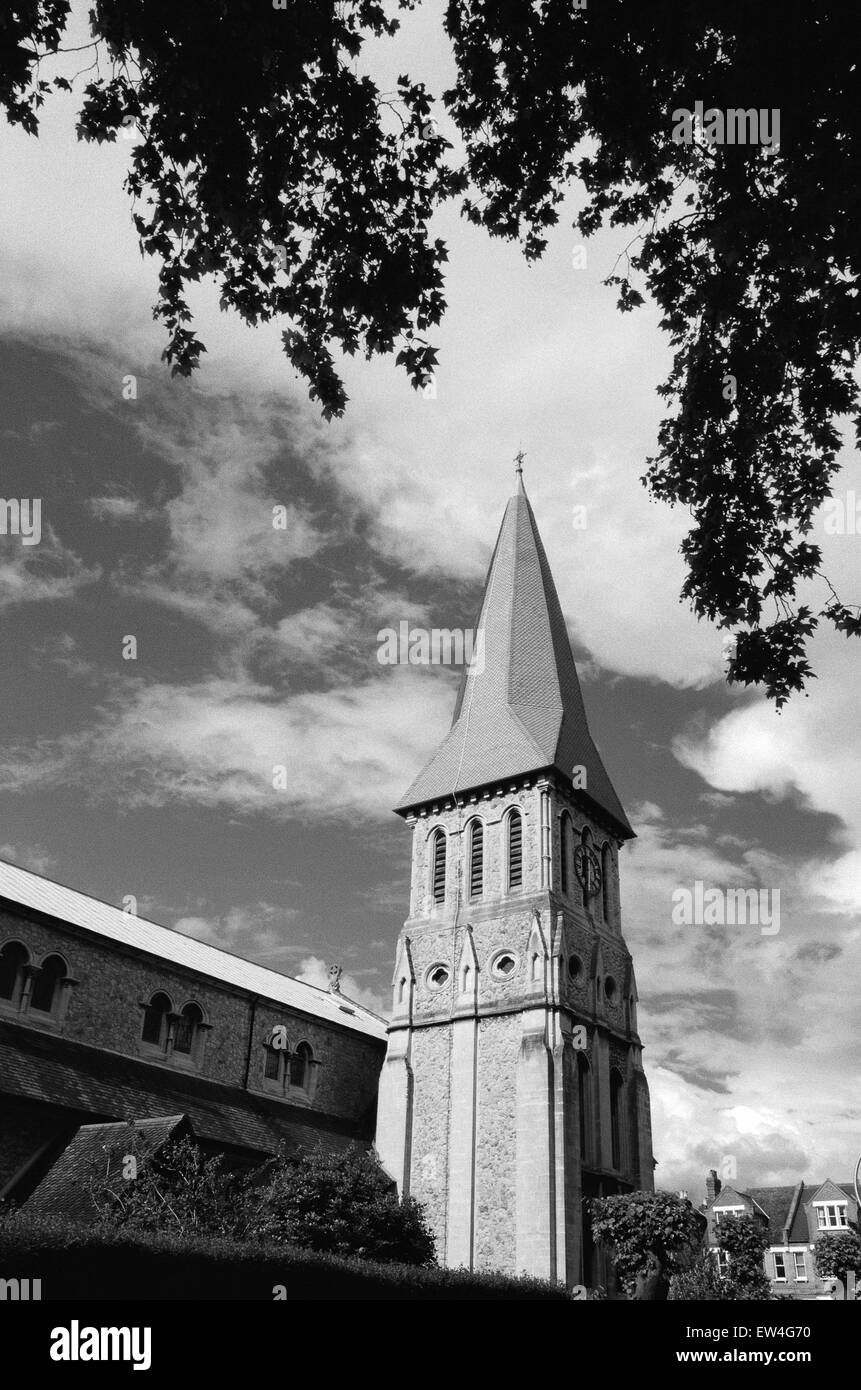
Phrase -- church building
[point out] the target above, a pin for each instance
(513, 1088)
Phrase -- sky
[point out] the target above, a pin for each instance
(258, 647)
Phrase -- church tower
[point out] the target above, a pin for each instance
(513, 1087)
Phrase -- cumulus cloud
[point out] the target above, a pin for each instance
(223, 743)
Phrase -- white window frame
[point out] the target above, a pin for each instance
(727, 1211)
(781, 1256)
(800, 1278)
(824, 1211)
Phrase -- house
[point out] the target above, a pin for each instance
(795, 1218)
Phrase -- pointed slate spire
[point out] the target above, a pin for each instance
(519, 708)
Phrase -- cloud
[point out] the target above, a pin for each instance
(116, 507)
(801, 756)
(256, 931)
(43, 573)
(744, 1035)
(348, 752)
(33, 857)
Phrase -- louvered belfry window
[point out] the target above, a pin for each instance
(476, 861)
(515, 850)
(439, 867)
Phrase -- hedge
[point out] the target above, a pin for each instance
(104, 1264)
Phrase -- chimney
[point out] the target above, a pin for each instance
(712, 1185)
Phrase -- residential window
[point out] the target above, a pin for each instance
(831, 1216)
(187, 1029)
(46, 989)
(800, 1266)
(476, 859)
(515, 850)
(13, 963)
(438, 860)
(722, 1262)
(300, 1066)
(779, 1267)
(154, 1031)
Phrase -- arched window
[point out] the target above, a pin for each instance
(13, 962)
(476, 859)
(300, 1066)
(46, 992)
(586, 841)
(187, 1029)
(565, 842)
(617, 1087)
(438, 863)
(584, 1105)
(515, 850)
(606, 893)
(272, 1063)
(154, 1029)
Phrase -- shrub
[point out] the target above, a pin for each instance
(104, 1263)
(340, 1204)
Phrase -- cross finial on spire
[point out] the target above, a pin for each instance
(518, 459)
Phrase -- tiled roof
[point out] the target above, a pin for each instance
(776, 1203)
(32, 891)
(519, 709)
(90, 1081)
(93, 1155)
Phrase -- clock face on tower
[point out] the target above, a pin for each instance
(587, 869)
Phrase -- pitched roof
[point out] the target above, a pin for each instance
(776, 1202)
(90, 1081)
(519, 708)
(19, 886)
(93, 1154)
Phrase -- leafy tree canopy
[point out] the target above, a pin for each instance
(835, 1254)
(638, 1222)
(745, 1240)
(268, 160)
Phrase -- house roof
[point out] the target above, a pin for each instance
(94, 1154)
(519, 708)
(22, 888)
(92, 1082)
(776, 1203)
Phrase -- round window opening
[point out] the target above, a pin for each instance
(504, 965)
(575, 966)
(437, 976)
(610, 988)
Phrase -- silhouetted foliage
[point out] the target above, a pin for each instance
(269, 161)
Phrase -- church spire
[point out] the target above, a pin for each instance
(519, 708)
